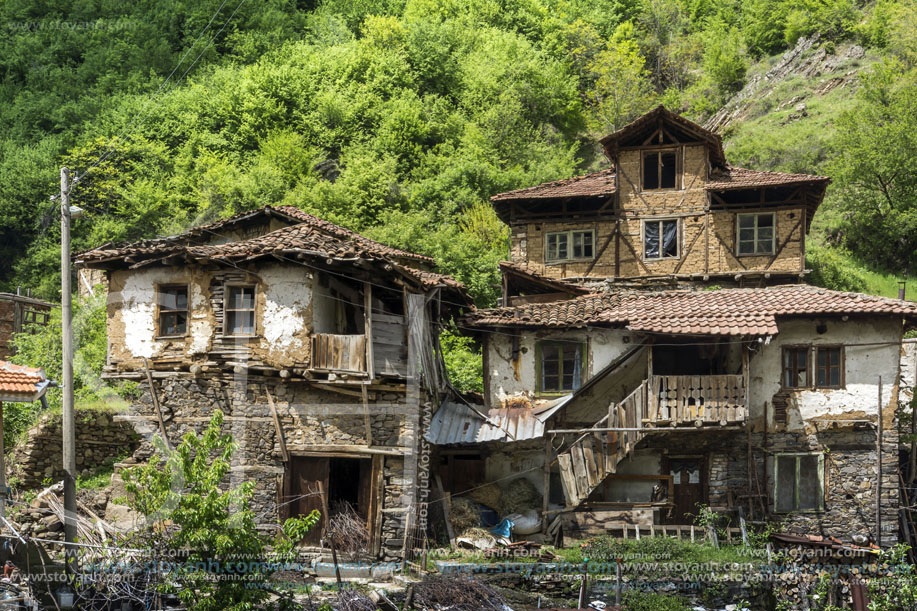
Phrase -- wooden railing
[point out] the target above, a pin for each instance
(696, 400)
(339, 353)
(595, 455)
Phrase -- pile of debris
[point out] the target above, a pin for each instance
(521, 549)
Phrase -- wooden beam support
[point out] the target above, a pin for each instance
(278, 427)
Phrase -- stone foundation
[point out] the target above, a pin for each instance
(315, 423)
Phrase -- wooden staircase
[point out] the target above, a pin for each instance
(593, 456)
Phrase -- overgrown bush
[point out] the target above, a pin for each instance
(463, 362)
(192, 515)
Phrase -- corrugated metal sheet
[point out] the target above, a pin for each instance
(457, 423)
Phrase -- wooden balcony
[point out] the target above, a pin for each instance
(714, 400)
(339, 353)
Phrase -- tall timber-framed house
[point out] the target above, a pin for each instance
(657, 349)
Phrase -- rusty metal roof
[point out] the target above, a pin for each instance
(457, 423)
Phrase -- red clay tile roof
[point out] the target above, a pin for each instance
(20, 380)
(719, 312)
(598, 184)
(650, 119)
(306, 238)
(212, 230)
(741, 178)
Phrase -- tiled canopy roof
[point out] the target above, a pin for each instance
(19, 383)
(599, 184)
(311, 238)
(741, 178)
(719, 312)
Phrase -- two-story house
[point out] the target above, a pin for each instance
(656, 349)
(318, 344)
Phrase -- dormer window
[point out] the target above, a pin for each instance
(569, 245)
(660, 169)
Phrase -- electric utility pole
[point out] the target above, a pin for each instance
(69, 440)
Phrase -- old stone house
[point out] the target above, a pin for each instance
(656, 349)
(318, 344)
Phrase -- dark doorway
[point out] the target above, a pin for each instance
(461, 472)
(324, 482)
(690, 487)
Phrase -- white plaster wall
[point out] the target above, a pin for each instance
(639, 463)
(137, 304)
(908, 369)
(602, 346)
(863, 365)
(287, 297)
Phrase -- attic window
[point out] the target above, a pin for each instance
(660, 170)
(569, 245)
(240, 310)
(173, 310)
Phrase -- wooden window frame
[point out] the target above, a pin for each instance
(678, 236)
(773, 249)
(842, 366)
(158, 289)
(812, 365)
(255, 326)
(660, 151)
(569, 235)
(783, 352)
(821, 478)
(539, 367)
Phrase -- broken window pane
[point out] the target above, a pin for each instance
(670, 238)
(828, 367)
(786, 483)
(173, 310)
(651, 240)
(560, 366)
(795, 373)
(667, 162)
(582, 244)
(809, 483)
(651, 171)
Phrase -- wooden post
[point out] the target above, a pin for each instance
(367, 418)
(155, 397)
(284, 454)
(447, 507)
(2, 467)
(879, 467)
(547, 484)
(368, 324)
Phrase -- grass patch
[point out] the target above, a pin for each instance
(100, 475)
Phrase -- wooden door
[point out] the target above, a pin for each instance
(308, 475)
(689, 479)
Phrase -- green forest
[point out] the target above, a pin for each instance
(399, 118)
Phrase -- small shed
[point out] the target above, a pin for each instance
(17, 384)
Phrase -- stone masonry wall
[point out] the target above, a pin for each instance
(850, 477)
(99, 438)
(313, 421)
